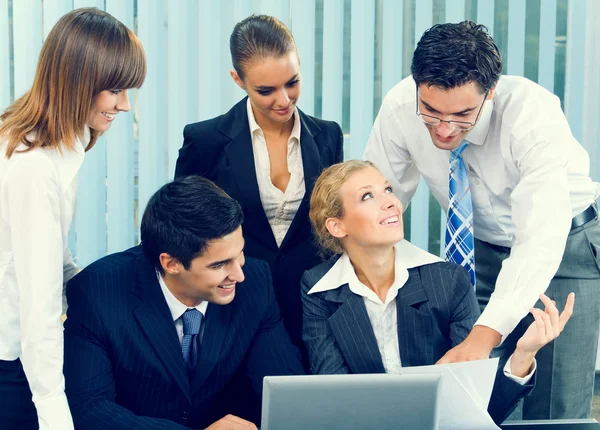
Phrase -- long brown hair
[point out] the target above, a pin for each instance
(88, 51)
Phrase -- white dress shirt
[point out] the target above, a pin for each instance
(528, 177)
(280, 207)
(178, 309)
(382, 314)
(37, 201)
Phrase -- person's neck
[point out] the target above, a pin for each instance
(274, 128)
(174, 286)
(374, 267)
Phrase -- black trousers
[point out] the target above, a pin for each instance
(17, 410)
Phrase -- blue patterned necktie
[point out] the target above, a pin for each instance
(460, 246)
(192, 320)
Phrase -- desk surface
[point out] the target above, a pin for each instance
(589, 424)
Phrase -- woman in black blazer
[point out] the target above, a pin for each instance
(267, 154)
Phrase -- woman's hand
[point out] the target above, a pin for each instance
(547, 326)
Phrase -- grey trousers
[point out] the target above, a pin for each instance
(566, 366)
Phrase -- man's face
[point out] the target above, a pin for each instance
(212, 276)
(457, 104)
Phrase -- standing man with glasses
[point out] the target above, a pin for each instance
(498, 155)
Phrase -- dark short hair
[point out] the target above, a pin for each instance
(184, 216)
(258, 37)
(452, 55)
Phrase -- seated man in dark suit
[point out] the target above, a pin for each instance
(154, 335)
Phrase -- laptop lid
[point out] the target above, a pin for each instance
(351, 402)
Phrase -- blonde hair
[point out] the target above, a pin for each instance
(88, 51)
(325, 201)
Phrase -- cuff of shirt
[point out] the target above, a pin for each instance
(502, 316)
(54, 413)
(525, 379)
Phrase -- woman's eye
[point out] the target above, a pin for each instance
(366, 196)
(292, 84)
(264, 93)
(388, 190)
(115, 91)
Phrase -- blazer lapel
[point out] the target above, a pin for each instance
(415, 334)
(241, 159)
(353, 331)
(155, 321)
(311, 164)
(215, 331)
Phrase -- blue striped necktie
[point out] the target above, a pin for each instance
(460, 246)
(192, 320)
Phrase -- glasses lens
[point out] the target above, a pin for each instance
(462, 125)
(429, 120)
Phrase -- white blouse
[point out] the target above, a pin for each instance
(280, 207)
(37, 201)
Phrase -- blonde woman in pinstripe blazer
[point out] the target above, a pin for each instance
(384, 303)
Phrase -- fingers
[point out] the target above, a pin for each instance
(567, 311)
(553, 329)
(540, 324)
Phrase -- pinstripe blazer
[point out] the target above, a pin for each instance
(436, 309)
(123, 363)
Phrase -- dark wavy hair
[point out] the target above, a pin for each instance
(452, 55)
(184, 216)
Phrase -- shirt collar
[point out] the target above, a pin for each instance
(254, 125)
(175, 306)
(406, 257)
(479, 133)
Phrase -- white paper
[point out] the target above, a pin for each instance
(466, 391)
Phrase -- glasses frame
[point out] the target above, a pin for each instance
(452, 123)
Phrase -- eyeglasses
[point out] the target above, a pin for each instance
(435, 121)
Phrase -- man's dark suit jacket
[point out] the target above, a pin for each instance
(123, 364)
(436, 310)
(220, 149)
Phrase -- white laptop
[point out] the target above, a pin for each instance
(351, 402)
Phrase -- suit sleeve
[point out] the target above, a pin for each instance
(506, 392)
(90, 385)
(339, 149)
(189, 161)
(272, 352)
(323, 351)
(466, 311)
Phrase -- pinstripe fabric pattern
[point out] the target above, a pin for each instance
(123, 363)
(436, 310)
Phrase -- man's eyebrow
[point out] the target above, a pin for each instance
(219, 263)
(431, 109)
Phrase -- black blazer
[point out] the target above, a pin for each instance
(220, 149)
(123, 363)
(436, 310)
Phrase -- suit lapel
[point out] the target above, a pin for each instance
(415, 334)
(156, 322)
(215, 332)
(311, 164)
(353, 331)
(241, 159)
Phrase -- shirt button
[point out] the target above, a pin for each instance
(485, 213)
(476, 181)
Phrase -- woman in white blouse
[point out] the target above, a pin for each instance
(266, 153)
(384, 303)
(86, 65)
